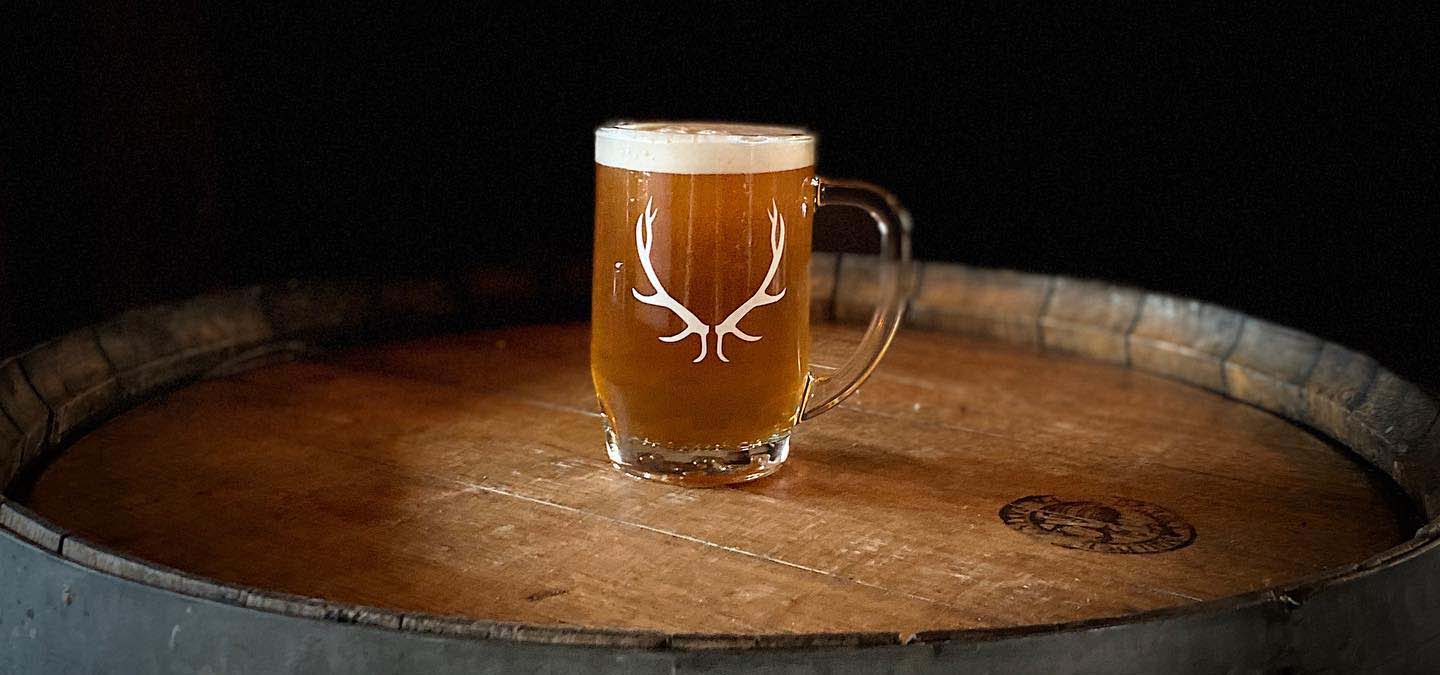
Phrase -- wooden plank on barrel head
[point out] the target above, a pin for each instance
(1089, 318)
(24, 421)
(28, 524)
(82, 552)
(321, 310)
(824, 268)
(1269, 366)
(1184, 339)
(75, 379)
(998, 304)
(160, 346)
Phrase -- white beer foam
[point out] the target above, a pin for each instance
(703, 147)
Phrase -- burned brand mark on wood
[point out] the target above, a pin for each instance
(1100, 524)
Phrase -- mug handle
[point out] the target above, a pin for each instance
(895, 280)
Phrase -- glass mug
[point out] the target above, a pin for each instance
(700, 335)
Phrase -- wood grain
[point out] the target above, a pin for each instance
(1185, 339)
(24, 421)
(170, 344)
(321, 310)
(995, 304)
(464, 475)
(1269, 365)
(75, 380)
(1089, 318)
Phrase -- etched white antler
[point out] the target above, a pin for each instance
(644, 239)
(761, 298)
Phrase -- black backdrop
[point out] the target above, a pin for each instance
(1283, 164)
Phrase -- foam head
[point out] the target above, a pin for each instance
(703, 147)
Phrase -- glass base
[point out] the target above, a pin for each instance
(697, 467)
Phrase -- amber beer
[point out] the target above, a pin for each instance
(700, 304)
(715, 235)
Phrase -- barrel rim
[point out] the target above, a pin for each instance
(65, 387)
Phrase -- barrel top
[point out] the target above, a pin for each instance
(969, 485)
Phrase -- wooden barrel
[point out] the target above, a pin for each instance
(1045, 475)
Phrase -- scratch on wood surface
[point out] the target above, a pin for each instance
(917, 382)
(546, 594)
(551, 406)
(929, 422)
(696, 540)
(1040, 447)
(1174, 593)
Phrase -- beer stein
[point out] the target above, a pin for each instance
(700, 307)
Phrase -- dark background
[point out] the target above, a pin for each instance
(1283, 164)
